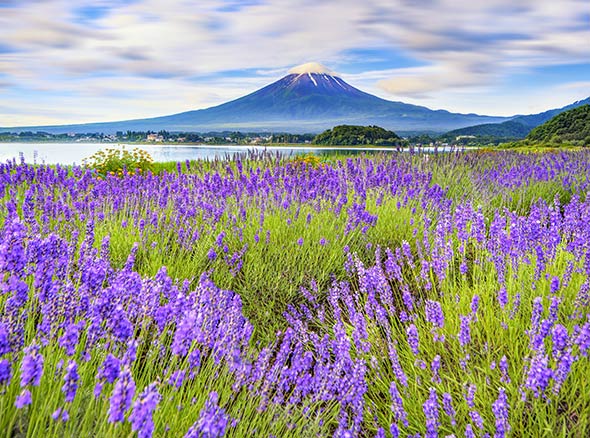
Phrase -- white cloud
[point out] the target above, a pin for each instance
(146, 57)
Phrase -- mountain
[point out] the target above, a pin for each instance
(487, 133)
(534, 120)
(510, 130)
(572, 127)
(311, 98)
(516, 128)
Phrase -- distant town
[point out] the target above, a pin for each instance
(212, 138)
(159, 137)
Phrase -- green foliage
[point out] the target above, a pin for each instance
(116, 161)
(571, 127)
(489, 133)
(351, 135)
(423, 139)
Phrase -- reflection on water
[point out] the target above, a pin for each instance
(74, 153)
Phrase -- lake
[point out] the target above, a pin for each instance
(74, 153)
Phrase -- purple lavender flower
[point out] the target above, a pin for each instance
(5, 372)
(71, 381)
(413, 340)
(434, 313)
(109, 371)
(563, 369)
(554, 287)
(583, 339)
(31, 367)
(465, 330)
(380, 433)
(177, 378)
(430, 408)
(98, 389)
(212, 422)
(397, 406)
(183, 336)
(500, 409)
(396, 366)
(469, 431)
(408, 299)
(394, 430)
(141, 416)
(4, 341)
(120, 400)
(559, 335)
(536, 313)
(435, 367)
(448, 407)
(120, 326)
(70, 338)
(24, 399)
(211, 255)
(476, 418)
(194, 359)
(539, 374)
(56, 414)
(503, 297)
(503, 365)
(470, 395)
(131, 353)
(474, 306)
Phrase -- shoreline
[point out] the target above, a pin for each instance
(277, 146)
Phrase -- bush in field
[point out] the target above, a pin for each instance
(310, 160)
(117, 161)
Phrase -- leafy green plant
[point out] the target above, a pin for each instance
(114, 161)
(309, 160)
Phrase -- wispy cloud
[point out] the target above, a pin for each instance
(123, 59)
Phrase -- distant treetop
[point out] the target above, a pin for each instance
(350, 135)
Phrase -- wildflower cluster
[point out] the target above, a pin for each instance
(120, 161)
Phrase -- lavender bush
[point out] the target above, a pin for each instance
(399, 295)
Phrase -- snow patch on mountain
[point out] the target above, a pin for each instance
(311, 67)
(313, 80)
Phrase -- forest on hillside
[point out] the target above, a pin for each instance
(350, 135)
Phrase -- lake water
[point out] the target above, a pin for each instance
(74, 153)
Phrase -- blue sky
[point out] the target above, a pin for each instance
(101, 60)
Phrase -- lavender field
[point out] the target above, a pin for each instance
(392, 295)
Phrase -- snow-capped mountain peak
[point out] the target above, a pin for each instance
(311, 68)
(310, 98)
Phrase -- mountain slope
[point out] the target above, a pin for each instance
(505, 130)
(516, 128)
(571, 126)
(310, 98)
(534, 120)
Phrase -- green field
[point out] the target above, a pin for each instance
(411, 294)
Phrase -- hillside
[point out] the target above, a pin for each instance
(515, 129)
(572, 127)
(489, 132)
(348, 135)
(535, 120)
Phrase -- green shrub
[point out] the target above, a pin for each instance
(114, 161)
